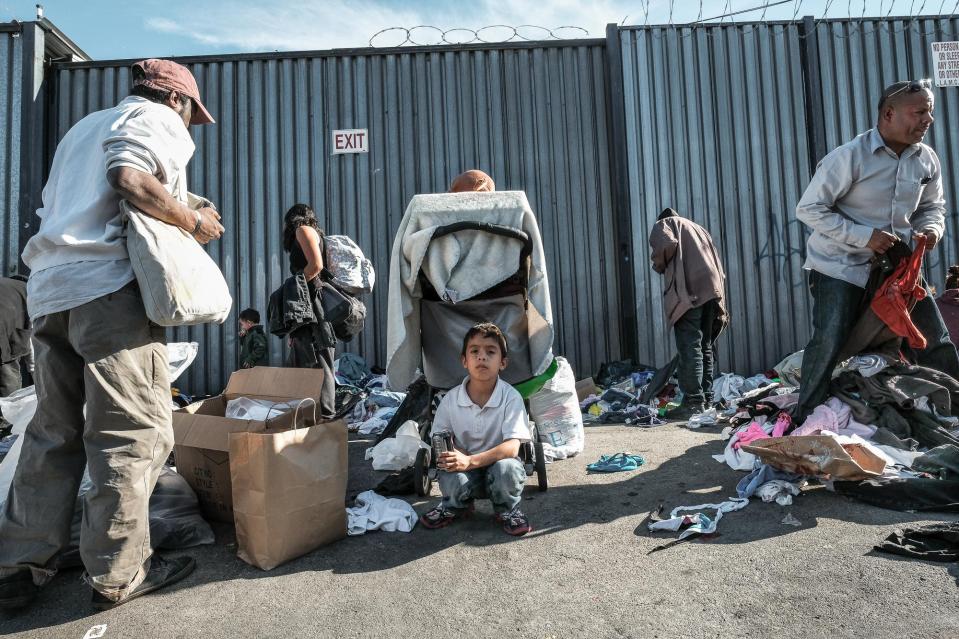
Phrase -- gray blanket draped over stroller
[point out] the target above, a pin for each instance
(460, 266)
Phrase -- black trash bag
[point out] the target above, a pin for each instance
(397, 484)
(415, 407)
(659, 380)
(175, 520)
(614, 372)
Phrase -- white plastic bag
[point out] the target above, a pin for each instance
(557, 415)
(351, 271)
(397, 453)
(258, 409)
(18, 409)
(180, 284)
(180, 355)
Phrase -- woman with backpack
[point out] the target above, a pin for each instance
(311, 345)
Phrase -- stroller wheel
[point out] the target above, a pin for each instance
(541, 468)
(422, 481)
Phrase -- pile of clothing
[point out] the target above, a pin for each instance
(894, 411)
(362, 395)
(642, 396)
(617, 397)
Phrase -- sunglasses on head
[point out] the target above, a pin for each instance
(912, 87)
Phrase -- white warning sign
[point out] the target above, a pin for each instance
(945, 62)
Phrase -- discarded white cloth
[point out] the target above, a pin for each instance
(867, 364)
(702, 524)
(728, 386)
(459, 266)
(375, 424)
(399, 452)
(673, 523)
(376, 512)
(708, 417)
(778, 490)
(755, 382)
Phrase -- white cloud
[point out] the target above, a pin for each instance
(288, 25)
(299, 24)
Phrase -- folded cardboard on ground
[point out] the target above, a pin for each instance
(818, 456)
(202, 432)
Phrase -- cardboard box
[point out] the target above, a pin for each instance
(201, 432)
(585, 388)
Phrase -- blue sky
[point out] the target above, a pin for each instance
(196, 27)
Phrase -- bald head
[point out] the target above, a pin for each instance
(472, 180)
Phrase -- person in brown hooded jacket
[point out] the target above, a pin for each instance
(693, 298)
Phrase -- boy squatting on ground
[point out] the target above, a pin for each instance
(487, 420)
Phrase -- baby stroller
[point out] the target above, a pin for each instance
(460, 259)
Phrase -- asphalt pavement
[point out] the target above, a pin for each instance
(585, 571)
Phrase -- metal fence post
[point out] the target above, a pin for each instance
(812, 90)
(622, 211)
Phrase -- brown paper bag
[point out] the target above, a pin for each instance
(289, 490)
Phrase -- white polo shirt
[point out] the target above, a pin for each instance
(477, 429)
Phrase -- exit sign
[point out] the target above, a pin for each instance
(350, 141)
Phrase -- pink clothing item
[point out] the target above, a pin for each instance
(834, 416)
(783, 423)
(748, 436)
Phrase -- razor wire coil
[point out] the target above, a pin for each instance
(417, 35)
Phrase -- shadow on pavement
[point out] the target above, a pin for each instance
(575, 499)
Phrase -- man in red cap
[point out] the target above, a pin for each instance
(95, 347)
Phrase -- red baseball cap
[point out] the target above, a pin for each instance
(167, 75)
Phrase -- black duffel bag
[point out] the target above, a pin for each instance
(345, 313)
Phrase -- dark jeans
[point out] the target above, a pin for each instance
(306, 352)
(836, 306)
(695, 343)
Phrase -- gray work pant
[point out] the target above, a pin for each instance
(10, 380)
(502, 483)
(105, 353)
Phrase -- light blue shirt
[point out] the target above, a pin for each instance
(861, 186)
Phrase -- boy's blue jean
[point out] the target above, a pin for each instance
(502, 483)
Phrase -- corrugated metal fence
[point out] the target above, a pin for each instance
(715, 129)
(11, 72)
(857, 62)
(726, 123)
(534, 117)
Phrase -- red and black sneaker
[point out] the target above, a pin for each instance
(441, 516)
(514, 522)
